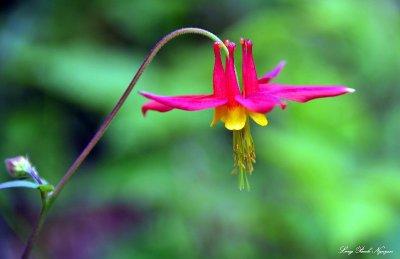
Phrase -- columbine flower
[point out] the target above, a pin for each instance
(233, 108)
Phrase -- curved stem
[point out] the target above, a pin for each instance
(100, 132)
(47, 203)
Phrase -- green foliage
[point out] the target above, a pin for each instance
(327, 172)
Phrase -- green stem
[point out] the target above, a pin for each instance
(35, 232)
(48, 202)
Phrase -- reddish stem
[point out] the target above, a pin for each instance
(47, 202)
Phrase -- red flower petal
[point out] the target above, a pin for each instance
(249, 73)
(304, 93)
(272, 74)
(218, 72)
(261, 103)
(232, 84)
(155, 106)
(187, 102)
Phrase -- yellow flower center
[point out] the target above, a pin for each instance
(235, 117)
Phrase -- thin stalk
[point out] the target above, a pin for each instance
(47, 203)
(36, 230)
(41, 219)
(100, 132)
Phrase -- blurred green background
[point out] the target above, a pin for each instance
(327, 172)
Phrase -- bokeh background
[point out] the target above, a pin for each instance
(327, 172)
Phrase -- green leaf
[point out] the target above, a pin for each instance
(17, 184)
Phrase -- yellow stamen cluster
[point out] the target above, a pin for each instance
(244, 155)
(235, 117)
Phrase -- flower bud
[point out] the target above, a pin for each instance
(18, 167)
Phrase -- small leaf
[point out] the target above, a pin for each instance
(17, 184)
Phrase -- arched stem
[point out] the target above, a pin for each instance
(47, 202)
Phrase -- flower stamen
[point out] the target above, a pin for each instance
(244, 155)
